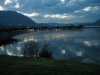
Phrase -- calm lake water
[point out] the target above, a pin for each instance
(76, 45)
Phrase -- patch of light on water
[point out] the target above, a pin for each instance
(87, 43)
(79, 53)
(25, 40)
(63, 51)
(19, 48)
(1, 48)
(30, 39)
(9, 52)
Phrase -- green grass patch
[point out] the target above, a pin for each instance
(11, 65)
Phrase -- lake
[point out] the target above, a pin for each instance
(75, 45)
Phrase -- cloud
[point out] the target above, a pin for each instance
(63, 1)
(71, 3)
(17, 5)
(31, 15)
(54, 10)
(50, 3)
(1, 8)
(87, 8)
(7, 2)
(66, 16)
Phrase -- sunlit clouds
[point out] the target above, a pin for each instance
(59, 16)
(17, 5)
(87, 9)
(8, 2)
(62, 1)
(1, 8)
(56, 10)
(31, 14)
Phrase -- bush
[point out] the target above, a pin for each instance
(45, 52)
(31, 48)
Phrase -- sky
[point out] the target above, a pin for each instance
(55, 11)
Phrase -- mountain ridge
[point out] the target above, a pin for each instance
(97, 22)
(12, 18)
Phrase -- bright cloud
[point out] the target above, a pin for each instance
(59, 16)
(31, 15)
(77, 11)
(53, 10)
(7, 2)
(17, 5)
(62, 1)
(87, 8)
(1, 8)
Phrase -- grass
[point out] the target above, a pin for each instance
(11, 65)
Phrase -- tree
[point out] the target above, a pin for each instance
(31, 48)
(45, 52)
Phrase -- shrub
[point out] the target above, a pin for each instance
(45, 52)
(31, 48)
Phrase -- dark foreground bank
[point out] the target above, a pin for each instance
(10, 65)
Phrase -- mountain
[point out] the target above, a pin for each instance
(12, 18)
(97, 23)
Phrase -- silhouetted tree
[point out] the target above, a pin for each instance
(31, 48)
(45, 52)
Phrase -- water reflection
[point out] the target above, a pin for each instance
(11, 49)
(82, 46)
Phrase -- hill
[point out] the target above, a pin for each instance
(97, 23)
(12, 18)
